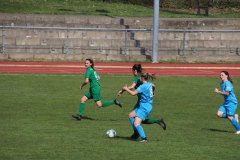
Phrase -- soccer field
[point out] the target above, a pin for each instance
(36, 122)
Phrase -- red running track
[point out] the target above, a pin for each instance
(160, 69)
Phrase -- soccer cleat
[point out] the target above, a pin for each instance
(236, 117)
(77, 117)
(143, 140)
(135, 135)
(117, 103)
(162, 123)
(238, 132)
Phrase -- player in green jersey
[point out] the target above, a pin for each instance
(92, 77)
(137, 70)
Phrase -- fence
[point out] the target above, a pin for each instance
(171, 41)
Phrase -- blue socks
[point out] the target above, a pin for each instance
(235, 124)
(141, 131)
(138, 128)
(132, 123)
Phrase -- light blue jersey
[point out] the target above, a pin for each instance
(228, 87)
(146, 93)
(145, 100)
(229, 106)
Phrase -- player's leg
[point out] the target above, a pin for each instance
(236, 117)
(137, 124)
(97, 98)
(81, 108)
(222, 112)
(132, 116)
(108, 103)
(153, 120)
(141, 114)
(86, 97)
(231, 109)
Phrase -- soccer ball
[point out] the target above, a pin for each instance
(111, 133)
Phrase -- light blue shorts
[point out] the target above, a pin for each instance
(229, 108)
(143, 111)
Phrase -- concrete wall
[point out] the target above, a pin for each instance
(106, 45)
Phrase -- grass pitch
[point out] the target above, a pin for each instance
(36, 122)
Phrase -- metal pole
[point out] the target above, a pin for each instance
(3, 40)
(125, 43)
(184, 41)
(67, 41)
(155, 32)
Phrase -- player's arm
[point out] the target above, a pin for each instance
(221, 92)
(133, 93)
(130, 87)
(84, 83)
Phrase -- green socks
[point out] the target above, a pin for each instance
(104, 104)
(107, 103)
(81, 108)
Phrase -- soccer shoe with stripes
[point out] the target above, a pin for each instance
(238, 132)
(77, 117)
(117, 102)
(162, 123)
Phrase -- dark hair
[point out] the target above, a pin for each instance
(229, 78)
(138, 68)
(91, 61)
(147, 75)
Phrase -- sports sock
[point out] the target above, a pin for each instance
(141, 131)
(132, 123)
(81, 108)
(235, 124)
(107, 103)
(150, 121)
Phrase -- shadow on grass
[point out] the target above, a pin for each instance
(85, 118)
(126, 138)
(216, 130)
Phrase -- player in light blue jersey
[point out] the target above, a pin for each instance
(229, 107)
(137, 70)
(139, 114)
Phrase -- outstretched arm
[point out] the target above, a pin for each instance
(130, 87)
(133, 93)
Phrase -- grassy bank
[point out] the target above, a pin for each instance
(87, 7)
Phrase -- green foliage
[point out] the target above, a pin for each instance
(36, 120)
(133, 8)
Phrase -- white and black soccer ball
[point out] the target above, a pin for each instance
(111, 133)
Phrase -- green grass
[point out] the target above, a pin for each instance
(36, 120)
(88, 7)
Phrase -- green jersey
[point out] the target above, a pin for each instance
(137, 81)
(92, 75)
